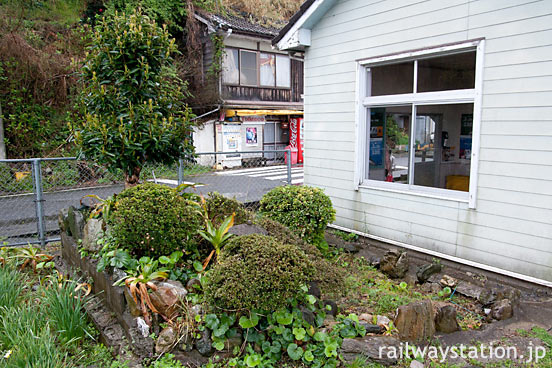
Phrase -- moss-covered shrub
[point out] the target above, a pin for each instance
(257, 272)
(220, 207)
(329, 277)
(154, 220)
(305, 210)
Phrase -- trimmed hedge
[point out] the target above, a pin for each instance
(154, 220)
(220, 207)
(307, 211)
(257, 272)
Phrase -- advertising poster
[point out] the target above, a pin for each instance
(251, 136)
(377, 120)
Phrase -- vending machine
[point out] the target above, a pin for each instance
(296, 137)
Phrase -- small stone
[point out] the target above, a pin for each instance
(165, 341)
(333, 307)
(486, 297)
(502, 310)
(423, 273)
(308, 316)
(75, 223)
(314, 289)
(445, 318)
(512, 294)
(410, 280)
(415, 321)
(204, 344)
(375, 261)
(92, 232)
(329, 320)
(370, 328)
(416, 364)
(366, 317)
(143, 327)
(378, 349)
(449, 281)
(168, 297)
(193, 285)
(394, 264)
(382, 321)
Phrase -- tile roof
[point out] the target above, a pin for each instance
(243, 25)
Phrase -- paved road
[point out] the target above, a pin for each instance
(18, 213)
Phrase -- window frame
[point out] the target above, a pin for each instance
(363, 103)
(258, 56)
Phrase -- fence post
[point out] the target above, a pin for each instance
(288, 155)
(180, 170)
(37, 183)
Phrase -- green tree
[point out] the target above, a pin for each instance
(132, 99)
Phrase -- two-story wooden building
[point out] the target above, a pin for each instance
(260, 89)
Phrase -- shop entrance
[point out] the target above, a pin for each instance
(274, 138)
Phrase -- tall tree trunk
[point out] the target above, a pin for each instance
(2, 142)
(132, 179)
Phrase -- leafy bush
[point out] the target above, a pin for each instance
(220, 207)
(305, 210)
(328, 275)
(154, 220)
(257, 272)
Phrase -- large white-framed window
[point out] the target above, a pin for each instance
(418, 121)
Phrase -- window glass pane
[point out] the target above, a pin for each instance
(268, 70)
(389, 141)
(283, 71)
(230, 67)
(447, 72)
(391, 79)
(248, 68)
(443, 136)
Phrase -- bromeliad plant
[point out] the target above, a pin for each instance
(217, 236)
(33, 257)
(139, 281)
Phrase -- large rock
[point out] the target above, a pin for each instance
(416, 321)
(63, 221)
(424, 272)
(379, 349)
(92, 232)
(502, 310)
(167, 298)
(165, 340)
(394, 263)
(445, 318)
(75, 223)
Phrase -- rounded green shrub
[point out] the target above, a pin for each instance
(307, 211)
(329, 277)
(220, 207)
(257, 272)
(154, 220)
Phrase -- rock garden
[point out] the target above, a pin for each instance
(163, 277)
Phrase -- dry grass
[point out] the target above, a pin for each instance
(267, 12)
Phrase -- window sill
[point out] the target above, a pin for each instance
(436, 193)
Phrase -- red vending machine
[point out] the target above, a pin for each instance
(296, 137)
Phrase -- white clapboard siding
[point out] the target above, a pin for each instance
(511, 226)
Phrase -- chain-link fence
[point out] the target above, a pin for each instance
(33, 191)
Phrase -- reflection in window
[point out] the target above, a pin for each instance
(283, 71)
(445, 73)
(443, 146)
(248, 68)
(389, 141)
(391, 79)
(268, 69)
(230, 69)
